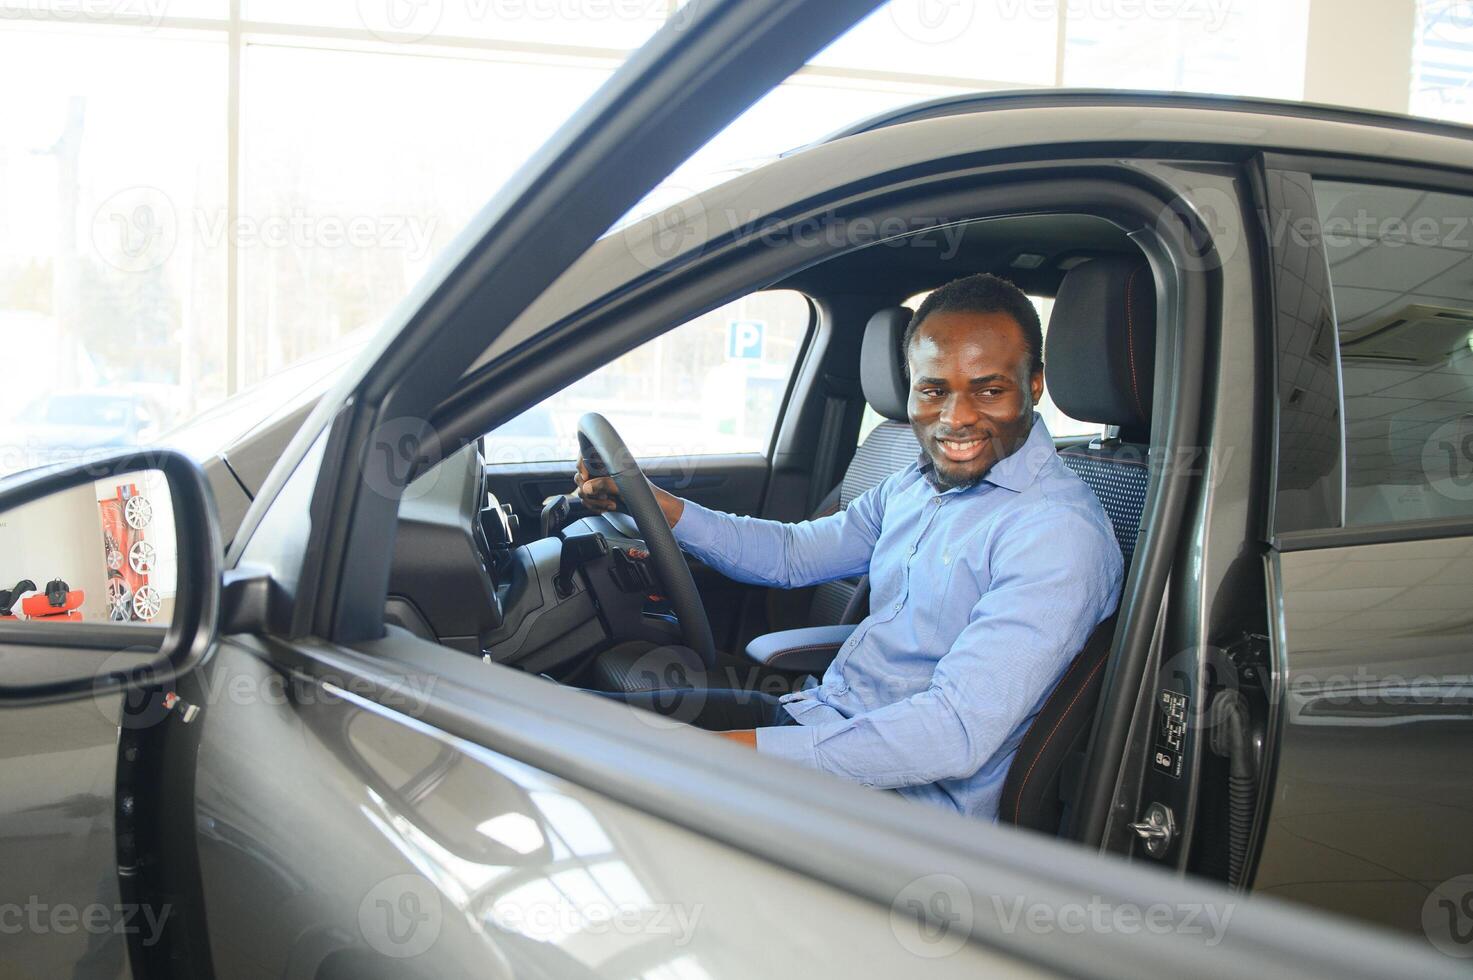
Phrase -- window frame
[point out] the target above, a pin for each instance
(1395, 173)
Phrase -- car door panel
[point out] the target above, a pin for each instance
(1375, 760)
(376, 845)
(63, 913)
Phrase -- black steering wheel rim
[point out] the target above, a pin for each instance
(605, 454)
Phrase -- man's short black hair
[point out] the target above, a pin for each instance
(982, 293)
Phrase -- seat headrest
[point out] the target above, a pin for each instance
(882, 363)
(1100, 355)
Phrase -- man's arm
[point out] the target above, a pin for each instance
(1039, 611)
(761, 552)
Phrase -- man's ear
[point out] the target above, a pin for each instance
(1035, 385)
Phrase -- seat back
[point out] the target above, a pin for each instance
(1100, 364)
(889, 448)
(1034, 794)
(1117, 473)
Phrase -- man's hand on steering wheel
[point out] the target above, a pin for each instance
(600, 495)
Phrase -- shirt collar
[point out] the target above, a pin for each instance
(1015, 471)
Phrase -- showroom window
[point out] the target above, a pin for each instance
(1401, 272)
(1442, 60)
(712, 385)
(198, 195)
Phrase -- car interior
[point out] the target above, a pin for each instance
(498, 562)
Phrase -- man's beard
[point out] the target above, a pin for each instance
(949, 482)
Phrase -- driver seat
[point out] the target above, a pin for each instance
(889, 448)
(1099, 359)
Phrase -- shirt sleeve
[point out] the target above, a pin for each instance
(786, 556)
(1042, 605)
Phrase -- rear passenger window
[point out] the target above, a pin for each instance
(1401, 274)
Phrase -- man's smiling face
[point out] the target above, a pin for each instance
(972, 392)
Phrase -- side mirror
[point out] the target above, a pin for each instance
(109, 576)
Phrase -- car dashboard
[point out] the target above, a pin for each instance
(544, 607)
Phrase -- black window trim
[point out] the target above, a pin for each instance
(1444, 180)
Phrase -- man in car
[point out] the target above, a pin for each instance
(990, 563)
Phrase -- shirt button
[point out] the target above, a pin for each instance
(898, 605)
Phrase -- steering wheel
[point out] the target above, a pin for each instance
(605, 454)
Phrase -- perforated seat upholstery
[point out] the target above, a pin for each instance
(1119, 481)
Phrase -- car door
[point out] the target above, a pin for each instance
(1372, 540)
(325, 798)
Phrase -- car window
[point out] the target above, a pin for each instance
(1058, 423)
(712, 385)
(1401, 275)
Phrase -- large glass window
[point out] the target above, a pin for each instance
(712, 385)
(197, 195)
(346, 202)
(1442, 60)
(1401, 270)
(1255, 48)
(108, 167)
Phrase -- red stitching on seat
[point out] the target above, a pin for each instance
(1018, 810)
(1130, 341)
(817, 646)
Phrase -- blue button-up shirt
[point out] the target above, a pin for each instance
(979, 599)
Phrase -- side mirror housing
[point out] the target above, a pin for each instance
(112, 573)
